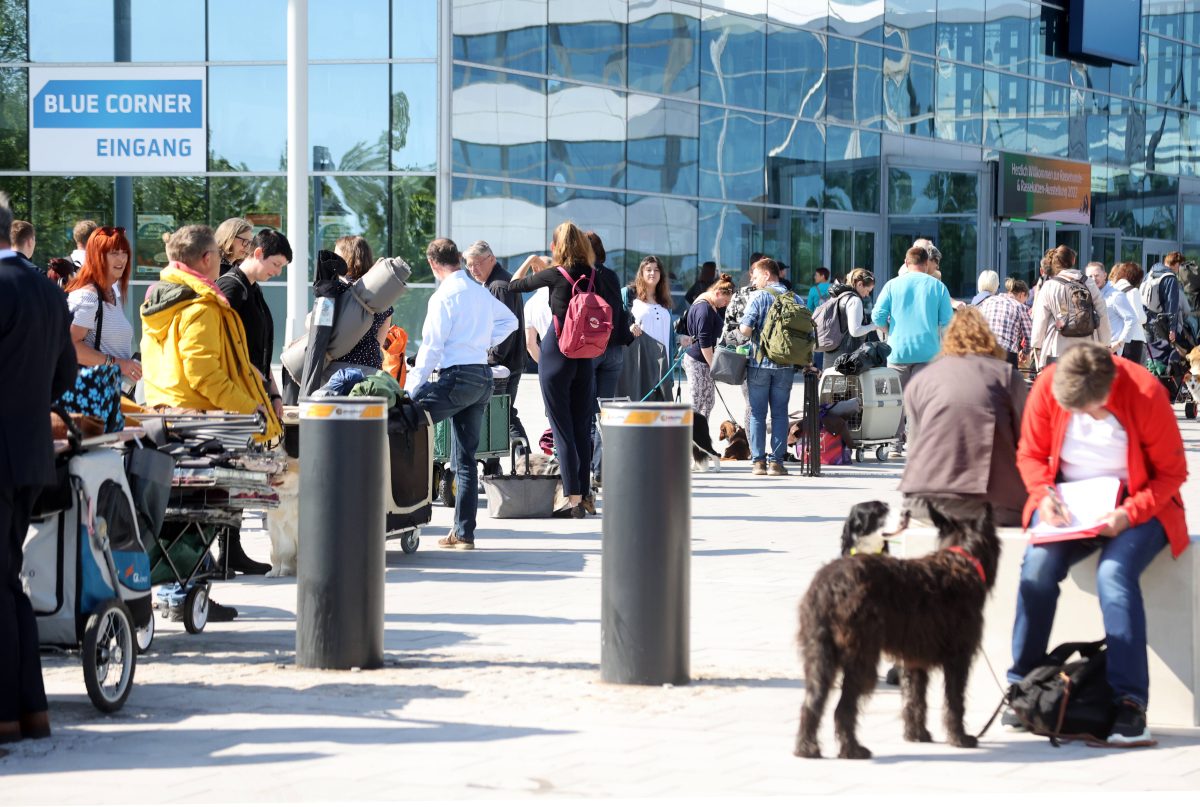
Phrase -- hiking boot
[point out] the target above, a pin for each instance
(220, 613)
(777, 469)
(1130, 726)
(452, 541)
(760, 469)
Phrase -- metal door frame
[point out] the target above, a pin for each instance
(863, 222)
(1046, 227)
(1160, 246)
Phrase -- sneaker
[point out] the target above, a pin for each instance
(777, 469)
(760, 469)
(452, 541)
(1129, 729)
(220, 613)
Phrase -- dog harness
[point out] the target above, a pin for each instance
(958, 550)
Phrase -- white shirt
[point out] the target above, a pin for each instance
(1094, 448)
(854, 316)
(1138, 332)
(537, 312)
(116, 337)
(654, 320)
(1121, 316)
(462, 322)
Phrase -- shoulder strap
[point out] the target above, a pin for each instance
(99, 316)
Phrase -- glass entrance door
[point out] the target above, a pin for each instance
(1154, 251)
(1106, 247)
(1067, 235)
(850, 243)
(1021, 250)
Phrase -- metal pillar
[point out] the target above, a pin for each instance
(123, 186)
(297, 165)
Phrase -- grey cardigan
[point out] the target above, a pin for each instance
(964, 420)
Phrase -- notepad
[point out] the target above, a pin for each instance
(1088, 501)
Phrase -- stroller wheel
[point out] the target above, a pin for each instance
(109, 655)
(145, 636)
(195, 609)
(410, 540)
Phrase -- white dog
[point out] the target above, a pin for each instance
(283, 523)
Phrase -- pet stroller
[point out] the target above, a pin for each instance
(86, 570)
(1173, 372)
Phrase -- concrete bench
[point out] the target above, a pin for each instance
(1170, 588)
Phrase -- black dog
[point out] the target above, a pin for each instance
(702, 445)
(925, 612)
(863, 530)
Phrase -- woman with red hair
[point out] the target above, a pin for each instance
(99, 329)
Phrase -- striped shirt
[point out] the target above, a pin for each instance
(1009, 320)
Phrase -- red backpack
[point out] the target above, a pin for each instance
(585, 330)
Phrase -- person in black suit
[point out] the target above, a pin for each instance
(37, 360)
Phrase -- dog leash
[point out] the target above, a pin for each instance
(1003, 695)
(727, 410)
(670, 371)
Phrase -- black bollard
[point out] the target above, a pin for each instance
(340, 559)
(645, 570)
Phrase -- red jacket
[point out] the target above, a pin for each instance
(1157, 464)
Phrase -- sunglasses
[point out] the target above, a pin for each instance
(111, 230)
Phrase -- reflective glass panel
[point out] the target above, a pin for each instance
(599, 211)
(347, 29)
(1191, 219)
(501, 33)
(794, 237)
(1123, 208)
(162, 204)
(1006, 35)
(14, 31)
(166, 32)
(813, 14)
(732, 60)
(499, 124)
(1163, 17)
(909, 25)
(1164, 61)
(959, 103)
(664, 227)
(731, 154)
(1005, 101)
(663, 145)
(852, 175)
(664, 48)
(1191, 76)
(348, 206)
(14, 119)
(414, 29)
(795, 162)
(858, 18)
(585, 136)
(915, 192)
(359, 91)
(71, 31)
(260, 200)
(1104, 249)
(1160, 206)
(795, 72)
(908, 103)
(510, 216)
(247, 118)
(1048, 119)
(414, 222)
(1096, 107)
(956, 237)
(730, 233)
(960, 30)
(1077, 124)
(1048, 41)
(855, 79)
(238, 30)
(414, 117)
(59, 202)
(587, 43)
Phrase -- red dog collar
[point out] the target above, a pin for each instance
(958, 550)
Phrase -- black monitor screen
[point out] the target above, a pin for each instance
(1106, 29)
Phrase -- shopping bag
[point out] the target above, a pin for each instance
(728, 366)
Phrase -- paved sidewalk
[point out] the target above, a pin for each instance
(492, 687)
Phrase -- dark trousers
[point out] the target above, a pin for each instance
(608, 374)
(1014, 360)
(460, 395)
(516, 431)
(21, 688)
(568, 387)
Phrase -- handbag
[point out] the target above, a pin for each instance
(524, 495)
(729, 366)
(97, 389)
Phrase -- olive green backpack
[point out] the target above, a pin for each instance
(788, 335)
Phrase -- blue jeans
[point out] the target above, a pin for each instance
(460, 395)
(1122, 561)
(608, 373)
(771, 388)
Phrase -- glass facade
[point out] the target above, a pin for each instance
(823, 132)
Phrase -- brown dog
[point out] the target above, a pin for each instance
(735, 436)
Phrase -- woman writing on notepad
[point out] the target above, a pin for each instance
(1096, 415)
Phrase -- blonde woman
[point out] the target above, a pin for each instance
(233, 240)
(568, 385)
(706, 320)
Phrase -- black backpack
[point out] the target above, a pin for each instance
(1067, 700)
(1080, 317)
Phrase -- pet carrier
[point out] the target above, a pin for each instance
(882, 401)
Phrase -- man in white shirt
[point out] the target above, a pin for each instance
(538, 318)
(462, 323)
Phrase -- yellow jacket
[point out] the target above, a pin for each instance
(194, 352)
